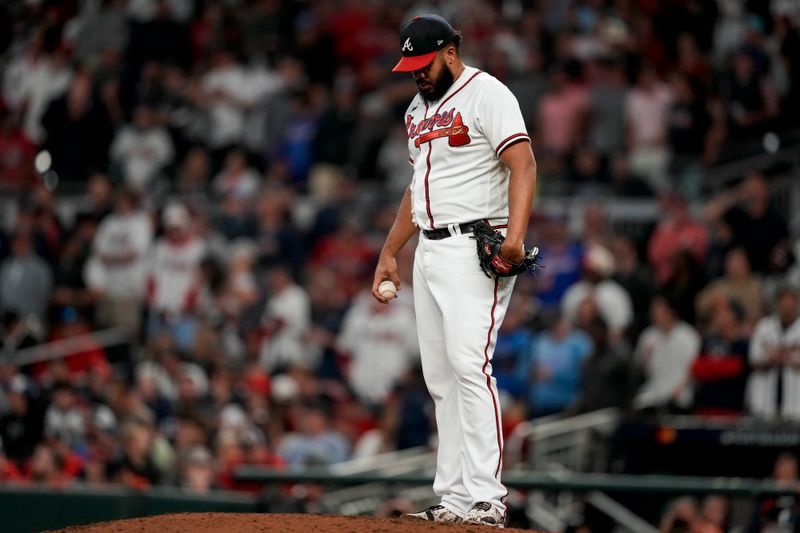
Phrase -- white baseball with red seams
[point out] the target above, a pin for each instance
(454, 145)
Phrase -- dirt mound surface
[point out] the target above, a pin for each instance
(288, 523)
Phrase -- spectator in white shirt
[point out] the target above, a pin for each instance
(117, 267)
(228, 94)
(286, 324)
(664, 354)
(174, 278)
(612, 301)
(32, 81)
(773, 389)
(142, 149)
(381, 342)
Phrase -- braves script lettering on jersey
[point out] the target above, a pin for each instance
(454, 147)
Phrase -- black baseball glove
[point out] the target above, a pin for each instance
(492, 262)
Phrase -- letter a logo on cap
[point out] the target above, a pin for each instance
(407, 46)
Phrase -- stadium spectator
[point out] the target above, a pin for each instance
(33, 80)
(664, 353)
(607, 92)
(117, 269)
(380, 343)
(715, 509)
(564, 256)
(197, 471)
(226, 90)
(739, 284)
(752, 102)
(561, 115)
(754, 223)
(101, 198)
(635, 279)
(22, 424)
(194, 174)
(78, 131)
(142, 149)
(689, 122)
(173, 277)
(606, 373)
(276, 237)
(285, 323)
(681, 516)
(721, 368)
(64, 419)
(315, 443)
(773, 389)
(69, 285)
(16, 165)
(236, 177)
(613, 302)
(25, 279)
(552, 367)
(100, 28)
(677, 230)
(776, 513)
(514, 340)
(647, 122)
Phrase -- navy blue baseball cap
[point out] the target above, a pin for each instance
(420, 38)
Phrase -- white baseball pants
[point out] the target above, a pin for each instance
(459, 310)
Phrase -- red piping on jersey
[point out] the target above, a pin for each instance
(501, 146)
(489, 383)
(430, 147)
(428, 173)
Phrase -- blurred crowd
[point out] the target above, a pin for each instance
(213, 179)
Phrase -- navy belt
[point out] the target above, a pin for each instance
(443, 233)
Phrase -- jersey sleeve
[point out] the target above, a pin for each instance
(501, 118)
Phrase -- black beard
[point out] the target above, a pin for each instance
(440, 86)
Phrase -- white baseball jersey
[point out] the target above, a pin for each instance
(762, 386)
(454, 146)
(174, 277)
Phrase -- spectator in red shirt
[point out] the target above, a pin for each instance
(720, 370)
(16, 155)
(678, 230)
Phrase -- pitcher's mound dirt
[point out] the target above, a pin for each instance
(285, 523)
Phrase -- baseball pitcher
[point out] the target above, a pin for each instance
(470, 196)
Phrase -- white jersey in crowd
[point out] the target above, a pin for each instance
(762, 386)
(667, 358)
(613, 303)
(291, 310)
(382, 343)
(118, 236)
(142, 153)
(174, 275)
(457, 180)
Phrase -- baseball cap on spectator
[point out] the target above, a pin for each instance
(600, 260)
(104, 419)
(420, 38)
(176, 216)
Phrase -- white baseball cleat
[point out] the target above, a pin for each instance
(437, 513)
(485, 514)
